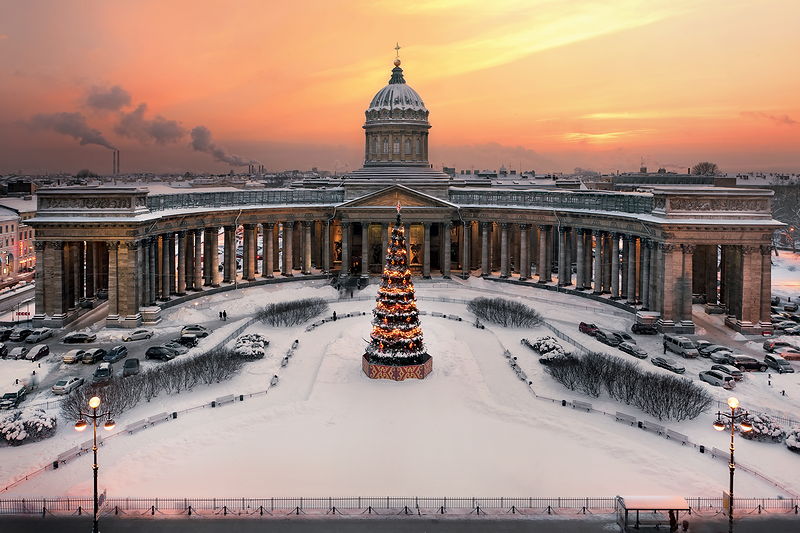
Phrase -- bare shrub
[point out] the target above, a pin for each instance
(292, 313)
(506, 313)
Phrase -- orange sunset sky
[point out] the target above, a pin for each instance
(544, 85)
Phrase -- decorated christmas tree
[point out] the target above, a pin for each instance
(396, 339)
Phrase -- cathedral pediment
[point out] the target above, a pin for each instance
(392, 195)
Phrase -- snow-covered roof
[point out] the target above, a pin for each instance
(653, 503)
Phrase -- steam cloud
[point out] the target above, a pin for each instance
(160, 130)
(72, 124)
(201, 142)
(112, 99)
(785, 120)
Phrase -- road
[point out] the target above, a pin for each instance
(10, 300)
(605, 524)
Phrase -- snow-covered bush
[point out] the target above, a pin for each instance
(793, 439)
(292, 313)
(28, 425)
(504, 312)
(764, 429)
(250, 346)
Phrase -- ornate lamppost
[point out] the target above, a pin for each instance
(744, 426)
(80, 425)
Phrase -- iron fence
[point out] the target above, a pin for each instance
(596, 200)
(274, 197)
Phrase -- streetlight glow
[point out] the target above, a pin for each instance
(746, 426)
(109, 425)
(80, 425)
(719, 425)
(733, 403)
(94, 402)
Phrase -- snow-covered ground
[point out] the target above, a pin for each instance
(471, 428)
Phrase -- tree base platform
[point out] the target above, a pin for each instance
(397, 373)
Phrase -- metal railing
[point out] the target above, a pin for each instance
(322, 197)
(599, 201)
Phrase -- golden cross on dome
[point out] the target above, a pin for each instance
(397, 51)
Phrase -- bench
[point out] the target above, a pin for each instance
(160, 417)
(454, 317)
(84, 446)
(716, 452)
(136, 426)
(437, 314)
(69, 454)
(577, 404)
(628, 419)
(652, 426)
(225, 399)
(680, 437)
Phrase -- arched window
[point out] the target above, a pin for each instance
(385, 145)
(396, 147)
(407, 147)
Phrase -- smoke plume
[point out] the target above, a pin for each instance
(159, 130)
(112, 99)
(784, 120)
(201, 142)
(72, 124)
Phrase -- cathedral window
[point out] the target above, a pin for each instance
(407, 147)
(396, 147)
(386, 146)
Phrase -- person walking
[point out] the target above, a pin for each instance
(224, 315)
(220, 315)
(334, 316)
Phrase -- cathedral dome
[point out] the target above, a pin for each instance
(396, 95)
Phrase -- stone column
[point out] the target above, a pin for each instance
(127, 287)
(307, 247)
(90, 270)
(656, 276)
(580, 260)
(615, 266)
(524, 260)
(326, 257)
(288, 252)
(484, 249)
(53, 276)
(268, 263)
(165, 263)
(598, 261)
(144, 272)
(504, 268)
(112, 248)
(668, 303)
(384, 243)
(711, 274)
(248, 236)
(426, 250)
(208, 273)
(181, 263)
(630, 292)
(228, 244)
(254, 248)
(466, 250)
(152, 273)
(364, 249)
(563, 253)
(189, 264)
(197, 266)
(588, 259)
(544, 266)
(173, 281)
(766, 286)
(751, 286)
(685, 284)
(345, 269)
(447, 255)
(80, 286)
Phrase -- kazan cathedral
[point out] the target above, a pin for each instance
(659, 249)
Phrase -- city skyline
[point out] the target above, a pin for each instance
(533, 85)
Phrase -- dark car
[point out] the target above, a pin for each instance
(633, 350)
(606, 338)
(3, 350)
(730, 370)
(722, 357)
(160, 352)
(19, 335)
(621, 336)
(589, 329)
(5, 333)
(775, 300)
(102, 374)
(37, 352)
(130, 367)
(93, 355)
(772, 346)
(745, 362)
(669, 364)
(78, 337)
(187, 339)
(116, 353)
(792, 307)
(706, 351)
(778, 363)
(11, 400)
(644, 329)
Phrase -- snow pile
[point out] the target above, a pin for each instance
(546, 345)
(28, 425)
(793, 439)
(764, 429)
(251, 346)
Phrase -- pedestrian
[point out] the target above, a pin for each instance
(685, 525)
(673, 522)
(665, 348)
(334, 316)
(220, 315)
(224, 315)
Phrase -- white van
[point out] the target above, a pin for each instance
(681, 346)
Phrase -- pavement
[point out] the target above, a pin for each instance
(604, 524)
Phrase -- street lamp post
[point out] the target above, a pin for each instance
(745, 426)
(80, 425)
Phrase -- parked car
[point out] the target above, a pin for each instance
(775, 300)
(38, 335)
(713, 348)
(18, 352)
(606, 338)
(782, 325)
(3, 350)
(621, 336)
(37, 352)
(778, 363)
(633, 350)
(160, 352)
(745, 362)
(791, 306)
(77, 337)
(93, 355)
(717, 378)
(700, 344)
(130, 367)
(794, 330)
(5, 333)
(65, 386)
(138, 335)
(589, 329)
(644, 329)
(197, 329)
(177, 347)
(20, 334)
(102, 374)
(772, 345)
(11, 400)
(730, 370)
(681, 346)
(189, 340)
(669, 364)
(722, 357)
(790, 354)
(116, 353)
(73, 356)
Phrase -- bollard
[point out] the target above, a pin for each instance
(563, 403)
(639, 424)
(213, 403)
(174, 415)
(55, 465)
(702, 449)
(241, 397)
